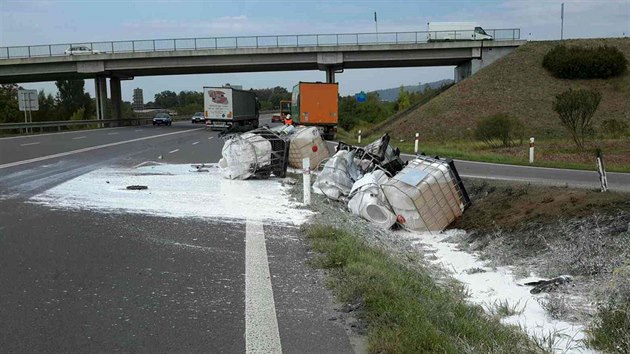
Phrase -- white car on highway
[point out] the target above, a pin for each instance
(78, 50)
(198, 118)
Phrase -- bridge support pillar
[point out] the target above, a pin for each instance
(100, 89)
(330, 75)
(463, 71)
(482, 57)
(114, 87)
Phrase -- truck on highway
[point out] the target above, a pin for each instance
(456, 31)
(316, 104)
(225, 107)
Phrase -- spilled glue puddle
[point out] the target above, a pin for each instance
(176, 191)
(499, 284)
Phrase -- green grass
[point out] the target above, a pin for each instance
(405, 310)
(612, 330)
(503, 308)
(477, 151)
(519, 86)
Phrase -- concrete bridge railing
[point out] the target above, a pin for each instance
(277, 41)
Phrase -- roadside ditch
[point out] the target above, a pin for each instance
(463, 290)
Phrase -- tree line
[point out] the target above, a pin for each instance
(70, 102)
(353, 114)
(189, 102)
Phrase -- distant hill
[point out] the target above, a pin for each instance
(391, 94)
(517, 85)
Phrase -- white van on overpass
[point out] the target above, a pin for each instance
(456, 31)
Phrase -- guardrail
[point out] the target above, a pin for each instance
(290, 41)
(67, 123)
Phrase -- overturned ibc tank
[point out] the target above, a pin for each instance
(256, 154)
(427, 195)
(307, 142)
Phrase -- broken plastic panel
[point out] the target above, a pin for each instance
(376, 155)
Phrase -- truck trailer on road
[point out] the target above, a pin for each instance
(316, 104)
(456, 31)
(225, 107)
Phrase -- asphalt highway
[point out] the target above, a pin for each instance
(89, 281)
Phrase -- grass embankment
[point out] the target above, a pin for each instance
(405, 310)
(511, 205)
(520, 87)
(558, 153)
(579, 232)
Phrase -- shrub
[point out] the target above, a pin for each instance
(576, 109)
(499, 130)
(347, 122)
(79, 114)
(585, 63)
(614, 128)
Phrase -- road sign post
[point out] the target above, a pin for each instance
(28, 102)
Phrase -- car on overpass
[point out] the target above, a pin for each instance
(198, 118)
(162, 118)
(80, 50)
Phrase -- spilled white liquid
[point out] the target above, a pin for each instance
(176, 191)
(499, 284)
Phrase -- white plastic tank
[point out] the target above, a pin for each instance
(336, 178)
(243, 154)
(425, 194)
(306, 142)
(368, 200)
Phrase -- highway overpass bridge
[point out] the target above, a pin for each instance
(332, 53)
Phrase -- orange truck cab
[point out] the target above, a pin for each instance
(316, 104)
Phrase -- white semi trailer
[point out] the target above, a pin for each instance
(456, 31)
(225, 107)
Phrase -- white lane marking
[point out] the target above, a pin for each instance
(59, 133)
(174, 151)
(30, 144)
(138, 130)
(79, 137)
(261, 323)
(112, 133)
(210, 138)
(195, 143)
(43, 158)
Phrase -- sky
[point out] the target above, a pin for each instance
(24, 22)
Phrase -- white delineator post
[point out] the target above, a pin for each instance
(306, 173)
(359, 137)
(601, 170)
(415, 144)
(531, 150)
